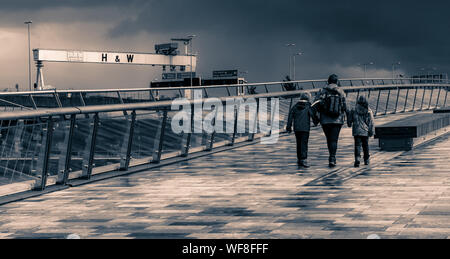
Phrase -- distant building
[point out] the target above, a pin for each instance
(430, 78)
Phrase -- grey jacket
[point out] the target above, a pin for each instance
(300, 115)
(362, 120)
(324, 119)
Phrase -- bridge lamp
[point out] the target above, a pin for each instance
(393, 68)
(365, 67)
(290, 45)
(28, 23)
(296, 54)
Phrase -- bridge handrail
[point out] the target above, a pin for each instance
(124, 90)
(26, 136)
(13, 115)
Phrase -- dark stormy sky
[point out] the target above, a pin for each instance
(249, 35)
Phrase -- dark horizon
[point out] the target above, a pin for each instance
(250, 36)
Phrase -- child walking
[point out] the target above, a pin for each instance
(361, 118)
(300, 115)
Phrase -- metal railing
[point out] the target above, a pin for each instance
(73, 98)
(56, 145)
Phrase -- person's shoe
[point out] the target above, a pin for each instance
(367, 161)
(357, 163)
(303, 164)
(332, 162)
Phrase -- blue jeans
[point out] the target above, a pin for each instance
(332, 132)
(364, 142)
(302, 138)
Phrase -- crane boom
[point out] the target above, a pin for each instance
(168, 58)
(108, 57)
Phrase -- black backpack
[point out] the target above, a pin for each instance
(332, 104)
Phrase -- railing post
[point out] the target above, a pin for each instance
(415, 98)
(406, 100)
(357, 96)
(396, 102)
(68, 157)
(83, 103)
(128, 144)
(119, 96)
(45, 162)
(228, 90)
(33, 103)
(387, 102)
(423, 98)
(439, 97)
(187, 145)
(251, 136)
(431, 98)
(236, 114)
(368, 96)
(378, 102)
(160, 141)
(267, 90)
(210, 144)
(272, 117)
(445, 100)
(87, 168)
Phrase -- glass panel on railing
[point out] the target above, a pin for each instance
(21, 150)
(222, 91)
(172, 141)
(145, 133)
(168, 94)
(80, 144)
(224, 134)
(58, 149)
(46, 101)
(112, 138)
(136, 96)
(345, 83)
(276, 88)
(14, 102)
(70, 99)
(101, 98)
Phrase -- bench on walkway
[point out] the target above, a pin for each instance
(442, 110)
(404, 134)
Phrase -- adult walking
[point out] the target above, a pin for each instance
(332, 107)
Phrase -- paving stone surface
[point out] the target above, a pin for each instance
(255, 191)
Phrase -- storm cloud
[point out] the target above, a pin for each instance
(250, 35)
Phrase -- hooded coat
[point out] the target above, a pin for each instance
(324, 118)
(300, 115)
(362, 121)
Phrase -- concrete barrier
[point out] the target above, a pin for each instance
(406, 133)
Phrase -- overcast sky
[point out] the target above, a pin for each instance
(249, 35)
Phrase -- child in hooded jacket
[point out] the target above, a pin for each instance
(362, 120)
(301, 115)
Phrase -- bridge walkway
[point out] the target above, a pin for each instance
(256, 191)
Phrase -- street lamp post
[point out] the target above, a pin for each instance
(191, 37)
(296, 54)
(393, 69)
(28, 23)
(365, 68)
(290, 45)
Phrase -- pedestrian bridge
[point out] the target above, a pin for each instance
(158, 184)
